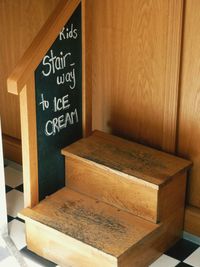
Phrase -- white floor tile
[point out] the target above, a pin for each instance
(9, 262)
(13, 164)
(4, 253)
(31, 262)
(15, 202)
(194, 258)
(165, 261)
(34, 260)
(13, 177)
(2, 243)
(17, 233)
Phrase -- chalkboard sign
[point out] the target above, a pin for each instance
(58, 83)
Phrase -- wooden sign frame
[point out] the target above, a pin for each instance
(22, 82)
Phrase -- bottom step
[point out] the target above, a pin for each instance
(74, 230)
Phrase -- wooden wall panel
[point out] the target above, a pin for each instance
(189, 113)
(20, 20)
(135, 69)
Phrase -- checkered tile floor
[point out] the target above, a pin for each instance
(184, 253)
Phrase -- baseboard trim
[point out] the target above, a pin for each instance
(192, 238)
(12, 148)
(192, 220)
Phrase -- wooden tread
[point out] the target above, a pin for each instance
(127, 158)
(94, 223)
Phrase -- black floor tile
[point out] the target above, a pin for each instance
(182, 264)
(182, 249)
(9, 218)
(19, 219)
(20, 188)
(8, 188)
(29, 254)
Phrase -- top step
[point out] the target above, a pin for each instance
(127, 158)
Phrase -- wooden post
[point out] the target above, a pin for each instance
(29, 143)
(86, 70)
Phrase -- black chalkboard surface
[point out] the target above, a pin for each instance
(58, 85)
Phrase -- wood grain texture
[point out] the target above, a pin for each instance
(192, 220)
(79, 227)
(86, 68)
(189, 112)
(153, 247)
(29, 143)
(135, 69)
(64, 250)
(111, 188)
(85, 219)
(20, 21)
(59, 248)
(171, 208)
(147, 165)
(171, 198)
(12, 149)
(155, 205)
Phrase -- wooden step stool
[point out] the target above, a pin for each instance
(123, 206)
